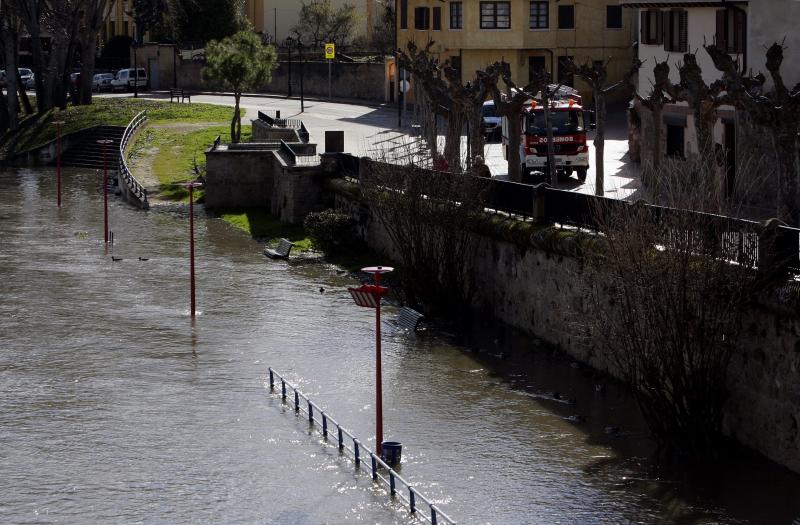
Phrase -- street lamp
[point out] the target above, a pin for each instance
(302, 71)
(369, 296)
(104, 143)
(58, 124)
(288, 43)
(191, 186)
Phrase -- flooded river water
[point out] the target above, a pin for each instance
(113, 409)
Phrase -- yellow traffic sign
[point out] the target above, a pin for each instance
(330, 51)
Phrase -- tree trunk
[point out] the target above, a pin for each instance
(9, 40)
(657, 111)
(235, 126)
(512, 151)
(23, 96)
(599, 142)
(551, 158)
(476, 136)
(88, 49)
(452, 143)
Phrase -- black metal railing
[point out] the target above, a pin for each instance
(134, 187)
(289, 123)
(740, 241)
(348, 444)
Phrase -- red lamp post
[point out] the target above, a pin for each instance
(104, 143)
(369, 296)
(58, 124)
(191, 186)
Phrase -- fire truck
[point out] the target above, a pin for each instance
(569, 125)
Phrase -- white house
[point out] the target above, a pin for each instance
(670, 28)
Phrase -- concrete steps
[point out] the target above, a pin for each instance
(89, 154)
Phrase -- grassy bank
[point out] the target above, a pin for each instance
(174, 153)
(264, 226)
(116, 112)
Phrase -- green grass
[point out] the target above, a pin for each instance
(118, 112)
(180, 155)
(261, 225)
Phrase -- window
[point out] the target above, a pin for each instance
(422, 16)
(731, 26)
(675, 25)
(566, 17)
(540, 15)
(536, 66)
(675, 141)
(565, 76)
(125, 28)
(495, 15)
(403, 14)
(613, 17)
(437, 18)
(455, 63)
(651, 27)
(456, 15)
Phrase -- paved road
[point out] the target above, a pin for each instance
(372, 130)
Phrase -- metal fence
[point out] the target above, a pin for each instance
(349, 445)
(136, 189)
(741, 241)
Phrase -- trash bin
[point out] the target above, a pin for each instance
(391, 452)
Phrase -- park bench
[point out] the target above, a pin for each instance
(408, 319)
(281, 251)
(180, 95)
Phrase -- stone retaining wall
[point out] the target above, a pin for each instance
(545, 295)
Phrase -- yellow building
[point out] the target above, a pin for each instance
(276, 18)
(528, 34)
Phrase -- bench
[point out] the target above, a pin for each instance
(281, 251)
(180, 95)
(408, 319)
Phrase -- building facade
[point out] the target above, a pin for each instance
(530, 35)
(275, 18)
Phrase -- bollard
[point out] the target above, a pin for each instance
(324, 426)
(355, 449)
(310, 413)
(296, 402)
(374, 467)
(412, 500)
(391, 483)
(271, 377)
(433, 515)
(283, 389)
(341, 443)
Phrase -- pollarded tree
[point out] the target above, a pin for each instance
(320, 23)
(238, 63)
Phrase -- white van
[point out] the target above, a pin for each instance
(125, 79)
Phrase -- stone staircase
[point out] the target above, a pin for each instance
(89, 154)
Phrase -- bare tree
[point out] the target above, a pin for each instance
(669, 288)
(655, 102)
(596, 75)
(8, 40)
(777, 111)
(428, 217)
(509, 105)
(94, 14)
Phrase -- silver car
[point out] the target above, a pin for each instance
(102, 81)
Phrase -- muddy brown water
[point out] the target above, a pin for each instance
(113, 409)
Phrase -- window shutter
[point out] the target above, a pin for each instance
(643, 27)
(739, 31)
(437, 18)
(722, 41)
(684, 31)
(403, 14)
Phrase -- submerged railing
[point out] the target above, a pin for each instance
(134, 188)
(349, 444)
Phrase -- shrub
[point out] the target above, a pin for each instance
(331, 230)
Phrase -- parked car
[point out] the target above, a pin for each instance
(31, 82)
(491, 122)
(125, 79)
(25, 73)
(102, 81)
(74, 80)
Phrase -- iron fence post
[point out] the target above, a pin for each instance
(271, 380)
(433, 515)
(283, 389)
(310, 413)
(391, 483)
(412, 500)
(356, 451)
(324, 426)
(374, 467)
(296, 402)
(341, 443)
